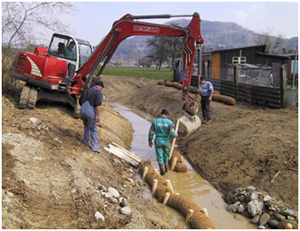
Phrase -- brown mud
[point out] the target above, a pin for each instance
(51, 180)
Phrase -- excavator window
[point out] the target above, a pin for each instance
(63, 47)
(85, 52)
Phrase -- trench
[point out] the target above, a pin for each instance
(189, 184)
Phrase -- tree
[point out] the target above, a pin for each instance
(25, 22)
(175, 46)
(274, 44)
(160, 52)
(22, 22)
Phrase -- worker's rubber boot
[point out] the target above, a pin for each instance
(166, 166)
(162, 169)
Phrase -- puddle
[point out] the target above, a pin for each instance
(189, 184)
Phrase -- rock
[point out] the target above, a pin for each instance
(102, 188)
(237, 203)
(113, 192)
(255, 207)
(289, 212)
(241, 198)
(130, 180)
(254, 196)
(264, 219)
(241, 208)
(107, 195)
(33, 120)
(273, 223)
(113, 200)
(255, 219)
(125, 210)
(273, 208)
(232, 208)
(99, 216)
(285, 225)
(239, 217)
(123, 202)
(290, 218)
(268, 200)
(261, 227)
(251, 188)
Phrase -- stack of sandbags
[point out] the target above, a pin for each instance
(164, 192)
(179, 166)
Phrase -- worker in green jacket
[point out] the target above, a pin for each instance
(163, 128)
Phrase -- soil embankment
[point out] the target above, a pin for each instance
(51, 180)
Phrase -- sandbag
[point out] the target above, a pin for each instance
(161, 82)
(198, 219)
(224, 99)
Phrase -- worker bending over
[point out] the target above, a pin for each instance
(163, 128)
(90, 102)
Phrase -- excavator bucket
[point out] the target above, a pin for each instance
(188, 124)
(185, 126)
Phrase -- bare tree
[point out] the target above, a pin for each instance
(23, 22)
(274, 44)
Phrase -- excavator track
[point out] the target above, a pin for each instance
(24, 96)
(28, 97)
(32, 98)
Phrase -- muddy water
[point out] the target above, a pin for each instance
(188, 184)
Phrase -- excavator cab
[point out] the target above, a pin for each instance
(75, 55)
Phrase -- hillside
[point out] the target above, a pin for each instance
(216, 35)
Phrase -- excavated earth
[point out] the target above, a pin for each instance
(51, 180)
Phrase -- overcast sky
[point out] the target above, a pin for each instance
(93, 20)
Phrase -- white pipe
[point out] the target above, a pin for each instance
(189, 215)
(145, 173)
(182, 159)
(205, 211)
(169, 184)
(174, 161)
(154, 186)
(166, 198)
(174, 140)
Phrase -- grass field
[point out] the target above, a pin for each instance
(152, 73)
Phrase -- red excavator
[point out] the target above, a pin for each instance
(70, 65)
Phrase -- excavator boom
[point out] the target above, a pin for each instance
(126, 27)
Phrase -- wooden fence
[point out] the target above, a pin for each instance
(267, 96)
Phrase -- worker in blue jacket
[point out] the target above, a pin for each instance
(91, 102)
(163, 128)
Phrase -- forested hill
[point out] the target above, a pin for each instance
(217, 35)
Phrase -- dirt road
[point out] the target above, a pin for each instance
(51, 180)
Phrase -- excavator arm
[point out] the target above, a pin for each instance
(128, 26)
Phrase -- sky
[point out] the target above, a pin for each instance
(93, 20)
